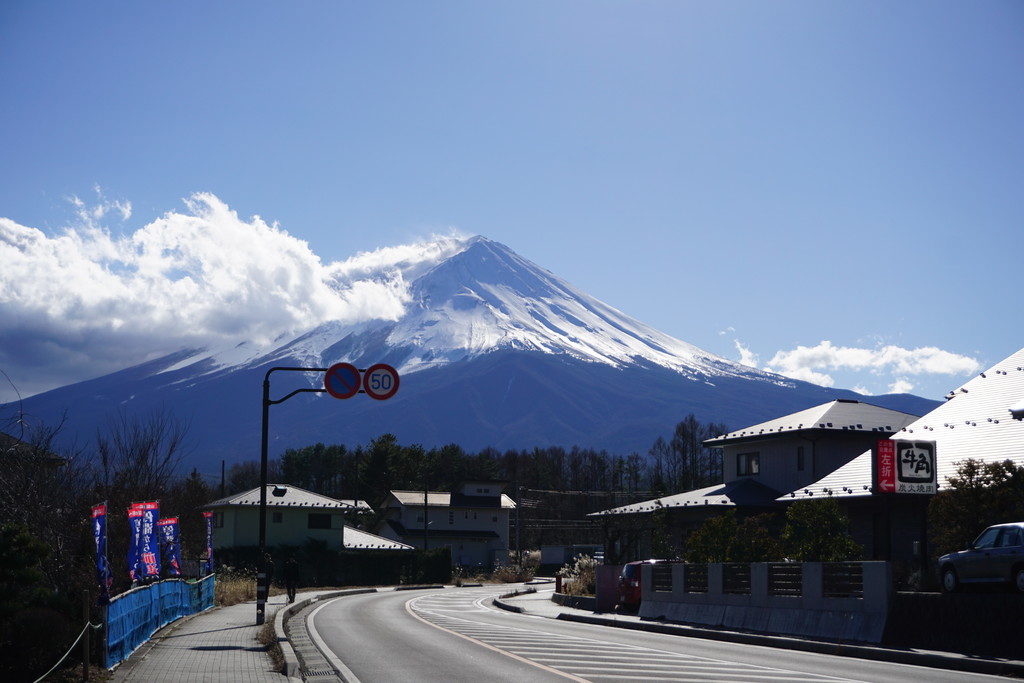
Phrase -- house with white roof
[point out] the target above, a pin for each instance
(294, 515)
(981, 420)
(762, 462)
(472, 521)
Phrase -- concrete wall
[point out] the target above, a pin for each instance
(811, 614)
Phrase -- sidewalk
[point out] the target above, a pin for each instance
(213, 646)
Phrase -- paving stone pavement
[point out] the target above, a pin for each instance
(214, 646)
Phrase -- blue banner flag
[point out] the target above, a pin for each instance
(171, 545)
(149, 548)
(209, 541)
(134, 536)
(104, 577)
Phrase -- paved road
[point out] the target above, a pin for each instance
(454, 635)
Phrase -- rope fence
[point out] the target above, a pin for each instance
(70, 649)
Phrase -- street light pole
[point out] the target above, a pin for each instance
(262, 584)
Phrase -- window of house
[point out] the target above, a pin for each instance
(799, 458)
(748, 464)
(451, 516)
(419, 517)
(494, 518)
(218, 520)
(276, 517)
(319, 520)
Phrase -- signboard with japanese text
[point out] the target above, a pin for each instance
(149, 548)
(170, 544)
(104, 577)
(208, 516)
(916, 467)
(905, 466)
(134, 535)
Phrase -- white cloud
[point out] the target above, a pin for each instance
(901, 386)
(90, 215)
(747, 357)
(186, 279)
(805, 362)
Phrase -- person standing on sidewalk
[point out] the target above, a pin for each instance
(268, 568)
(291, 577)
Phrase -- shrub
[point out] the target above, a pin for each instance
(511, 573)
(580, 576)
(817, 532)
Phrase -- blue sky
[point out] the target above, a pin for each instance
(827, 189)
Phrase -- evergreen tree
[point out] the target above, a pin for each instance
(816, 531)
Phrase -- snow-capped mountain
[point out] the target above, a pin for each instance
(484, 299)
(493, 351)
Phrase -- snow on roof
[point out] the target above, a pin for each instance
(1017, 410)
(975, 422)
(291, 496)
(439, 499)
(743, 492)
(839, 415)
(355, 539)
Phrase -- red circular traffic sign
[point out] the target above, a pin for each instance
(342, 380)
(380, 381)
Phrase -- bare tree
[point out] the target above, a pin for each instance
(139, 456)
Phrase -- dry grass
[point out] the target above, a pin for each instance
(268, 639)
(512, 574)
(233, 588)
(580, 577)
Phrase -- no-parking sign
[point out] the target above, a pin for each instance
(342, 380)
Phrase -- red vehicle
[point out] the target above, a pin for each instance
(630, 588)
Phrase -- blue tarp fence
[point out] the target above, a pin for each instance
(134, 616)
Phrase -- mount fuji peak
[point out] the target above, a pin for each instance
(486, 298)
(493, 351)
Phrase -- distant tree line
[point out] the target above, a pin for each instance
(555, 487)
(680, 463)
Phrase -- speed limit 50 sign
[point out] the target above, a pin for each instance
(380, 381)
